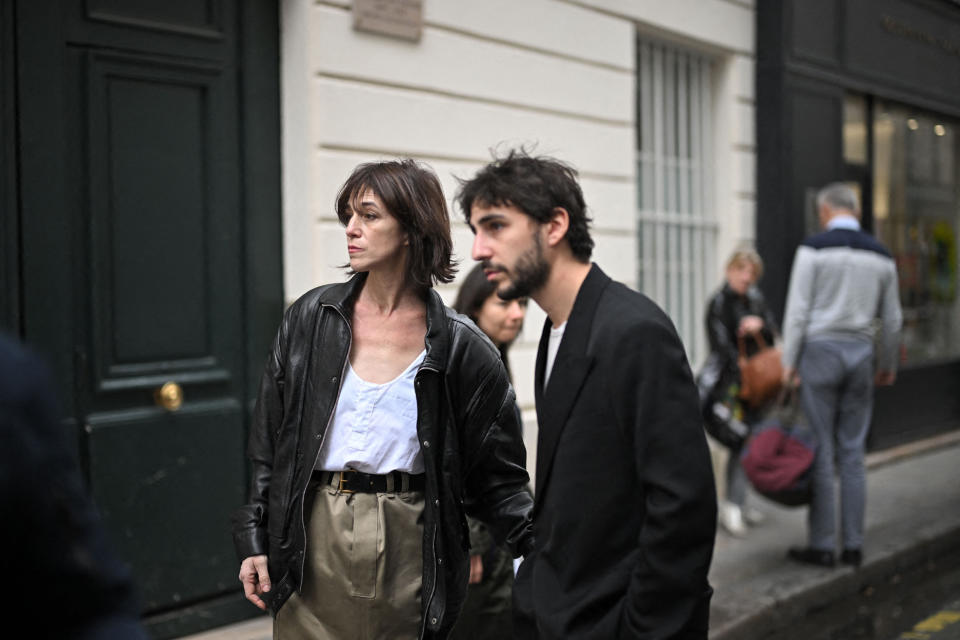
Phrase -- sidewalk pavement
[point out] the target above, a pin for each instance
(913, 517)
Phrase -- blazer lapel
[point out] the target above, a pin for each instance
(539, 368)
(569, 372)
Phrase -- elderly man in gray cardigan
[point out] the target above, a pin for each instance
(843, 281)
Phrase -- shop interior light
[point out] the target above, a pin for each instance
(912, 124)
(940, 130)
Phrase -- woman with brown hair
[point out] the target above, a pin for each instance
(382, 420)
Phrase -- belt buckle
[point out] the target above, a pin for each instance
(340, 484)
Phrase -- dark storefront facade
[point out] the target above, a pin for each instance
(868, 92)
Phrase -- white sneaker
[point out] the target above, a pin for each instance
(731, 519)
(754, 516)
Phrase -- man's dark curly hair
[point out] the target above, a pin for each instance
(535, 185)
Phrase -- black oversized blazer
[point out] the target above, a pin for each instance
(625, 505)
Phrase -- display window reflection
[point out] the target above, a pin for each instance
(916, 214)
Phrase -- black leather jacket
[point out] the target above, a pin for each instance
(725, 310)
(469, 431)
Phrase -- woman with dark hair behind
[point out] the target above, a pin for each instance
(375, 402)
(487, 611)
(500, 320)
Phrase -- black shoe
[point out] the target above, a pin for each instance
(815, 557)
(853, 557)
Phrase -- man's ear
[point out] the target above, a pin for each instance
(824, 214)
(557, 226)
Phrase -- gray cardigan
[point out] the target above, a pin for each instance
(843, 281)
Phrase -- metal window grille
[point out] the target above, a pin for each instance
(676, 223)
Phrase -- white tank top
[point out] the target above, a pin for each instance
(374, 427)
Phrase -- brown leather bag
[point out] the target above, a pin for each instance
(761, 374)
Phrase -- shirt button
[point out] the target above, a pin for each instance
(433, 621)
(440, 561)
(436, 503)
(333, 379)
(426, 444)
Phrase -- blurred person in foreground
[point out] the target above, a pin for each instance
(843, 281)
(383, 419)
(737, 310)
(487, 612)
(63, 579)
(625, 504)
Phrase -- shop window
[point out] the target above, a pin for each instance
(675, 221)
(916, 214)
(855, 129)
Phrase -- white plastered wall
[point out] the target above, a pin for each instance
(557, 74)
(726, 30)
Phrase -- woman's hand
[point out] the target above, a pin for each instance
(750, 325)
(885, 378)
(476, 569)
(255, 579)
(790, 378)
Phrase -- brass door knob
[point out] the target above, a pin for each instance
(169, 396)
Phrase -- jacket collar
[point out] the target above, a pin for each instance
(438, 332)
(570, 369)
(843, 221)
(342, 296)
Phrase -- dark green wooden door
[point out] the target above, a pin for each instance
(137, 266)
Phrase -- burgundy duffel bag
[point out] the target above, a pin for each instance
(779, 455)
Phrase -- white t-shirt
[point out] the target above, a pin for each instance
(374, 428)
(556, 335)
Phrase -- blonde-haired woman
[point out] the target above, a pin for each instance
(736, 310)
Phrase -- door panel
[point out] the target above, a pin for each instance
(197, 14)
(158, 477)
(202, 29)
(147, 132)
(165, 250)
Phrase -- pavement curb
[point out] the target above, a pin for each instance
(785, 602)
(877, 459)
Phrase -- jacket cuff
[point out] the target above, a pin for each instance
(250, 542)
(480, 538)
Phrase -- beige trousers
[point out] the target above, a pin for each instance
(363, 569)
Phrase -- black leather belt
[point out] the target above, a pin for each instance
(350, 481)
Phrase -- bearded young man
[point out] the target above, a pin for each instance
(625, 505)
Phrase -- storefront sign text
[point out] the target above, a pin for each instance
(900, 28)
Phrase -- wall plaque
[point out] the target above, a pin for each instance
(395, 18)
